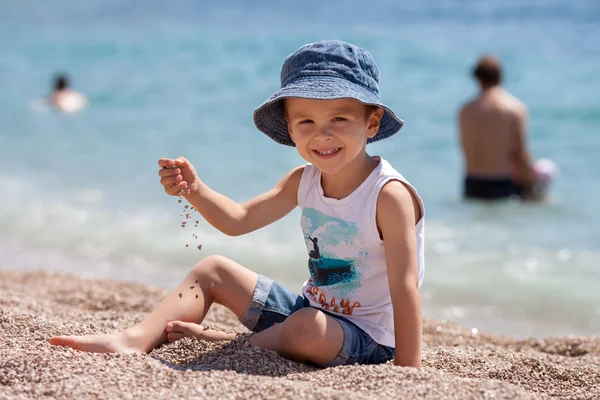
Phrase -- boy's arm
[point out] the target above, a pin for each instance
(236, 219)
(397, 214)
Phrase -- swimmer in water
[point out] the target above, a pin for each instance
(64, 98)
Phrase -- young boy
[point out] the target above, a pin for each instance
(362, 222)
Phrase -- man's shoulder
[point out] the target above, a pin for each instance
(468, 105)
(467, 109)
(514, 104)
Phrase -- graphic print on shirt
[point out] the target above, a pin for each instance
(333, 248)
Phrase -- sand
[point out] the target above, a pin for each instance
(457, 364)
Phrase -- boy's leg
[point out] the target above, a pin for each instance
(306, 335)
(283, 322)
(214, 279)
(311, 335)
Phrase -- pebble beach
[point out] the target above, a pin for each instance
(457, 362)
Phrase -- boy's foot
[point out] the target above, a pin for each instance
(179, 329)
(108, 343)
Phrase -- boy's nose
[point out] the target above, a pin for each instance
(324, 134)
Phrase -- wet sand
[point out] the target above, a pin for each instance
(456, 363)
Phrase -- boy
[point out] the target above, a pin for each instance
(362, 222)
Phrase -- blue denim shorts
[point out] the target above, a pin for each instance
(272, 304)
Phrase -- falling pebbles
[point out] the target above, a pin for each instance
(187, 210)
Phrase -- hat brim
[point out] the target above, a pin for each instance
(269, 117)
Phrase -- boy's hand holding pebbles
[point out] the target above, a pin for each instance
(177, 176)
(179, 179)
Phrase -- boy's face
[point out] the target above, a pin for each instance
(331, 133)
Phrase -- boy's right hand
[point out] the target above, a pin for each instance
(178, 176)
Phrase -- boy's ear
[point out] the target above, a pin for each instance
(374, 121)
(290, 132)
(289, 126)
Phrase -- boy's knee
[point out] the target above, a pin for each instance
(303, 327)
(211, 264)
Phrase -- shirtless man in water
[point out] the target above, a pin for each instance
(493, 129)
(64, 98)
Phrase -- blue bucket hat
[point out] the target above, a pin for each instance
(325, 70)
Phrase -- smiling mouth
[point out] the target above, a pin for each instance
(327, 152)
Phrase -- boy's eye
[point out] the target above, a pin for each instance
(306, 121)
(339, 119)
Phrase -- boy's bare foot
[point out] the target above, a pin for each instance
(122, 342)
(179, 329)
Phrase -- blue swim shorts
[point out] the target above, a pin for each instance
(272, 304)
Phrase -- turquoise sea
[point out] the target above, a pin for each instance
(80, 193)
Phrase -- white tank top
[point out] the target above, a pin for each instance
(346, 255)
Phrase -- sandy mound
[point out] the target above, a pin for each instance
(456, 363)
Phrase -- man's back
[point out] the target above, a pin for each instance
(491, 130)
